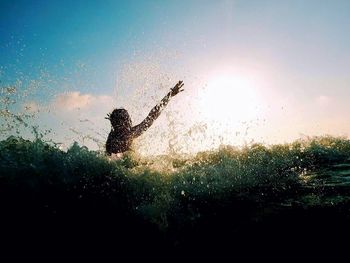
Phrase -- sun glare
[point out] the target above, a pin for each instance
(229, 100)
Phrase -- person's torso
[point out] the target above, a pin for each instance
(119, 142)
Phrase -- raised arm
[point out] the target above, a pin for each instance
(155, 112)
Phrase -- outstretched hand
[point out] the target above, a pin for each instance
(177, 89)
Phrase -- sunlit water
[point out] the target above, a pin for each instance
(194, 199)
(195, 168)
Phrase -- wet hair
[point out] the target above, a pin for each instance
(120, 119)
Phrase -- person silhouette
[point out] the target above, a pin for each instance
(123, 133)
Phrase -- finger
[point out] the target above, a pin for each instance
(178, 85)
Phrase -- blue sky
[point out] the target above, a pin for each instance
(307, 36)
(300, 48)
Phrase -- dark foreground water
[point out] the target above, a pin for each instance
(257, 200)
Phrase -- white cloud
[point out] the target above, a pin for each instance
(73, 100)
(86, 104)
(75, 106)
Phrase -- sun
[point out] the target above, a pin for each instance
(229, 100)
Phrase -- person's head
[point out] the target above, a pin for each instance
(120, 119)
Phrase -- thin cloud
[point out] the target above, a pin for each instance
(89, 103)
(73, 100)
